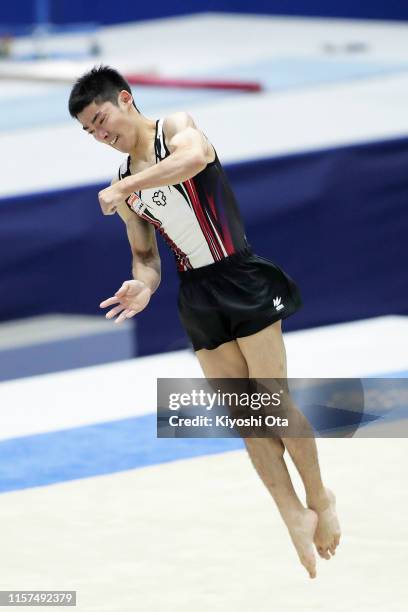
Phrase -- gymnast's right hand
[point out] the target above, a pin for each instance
(131, 298)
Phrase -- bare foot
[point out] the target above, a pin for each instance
(327, 535)
(301, 529)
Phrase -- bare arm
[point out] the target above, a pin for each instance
(190, 152)
(146, 266)
(134, 295)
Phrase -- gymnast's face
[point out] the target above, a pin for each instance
(110, 124)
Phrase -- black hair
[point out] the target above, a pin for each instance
(101, 84)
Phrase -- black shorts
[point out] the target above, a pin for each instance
(232, 298)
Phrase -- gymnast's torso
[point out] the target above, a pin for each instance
(198, 218)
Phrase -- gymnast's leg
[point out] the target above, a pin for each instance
(227, 361)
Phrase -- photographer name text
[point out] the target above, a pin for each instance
(228, 422)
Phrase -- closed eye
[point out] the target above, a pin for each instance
(91, 133)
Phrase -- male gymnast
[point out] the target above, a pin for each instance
(231, 302)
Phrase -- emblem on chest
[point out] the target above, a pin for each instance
(159, 198)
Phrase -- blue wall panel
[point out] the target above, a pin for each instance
(104, 11)
(58, 253)
(335, 220)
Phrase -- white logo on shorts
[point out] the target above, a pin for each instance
(277, 303)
